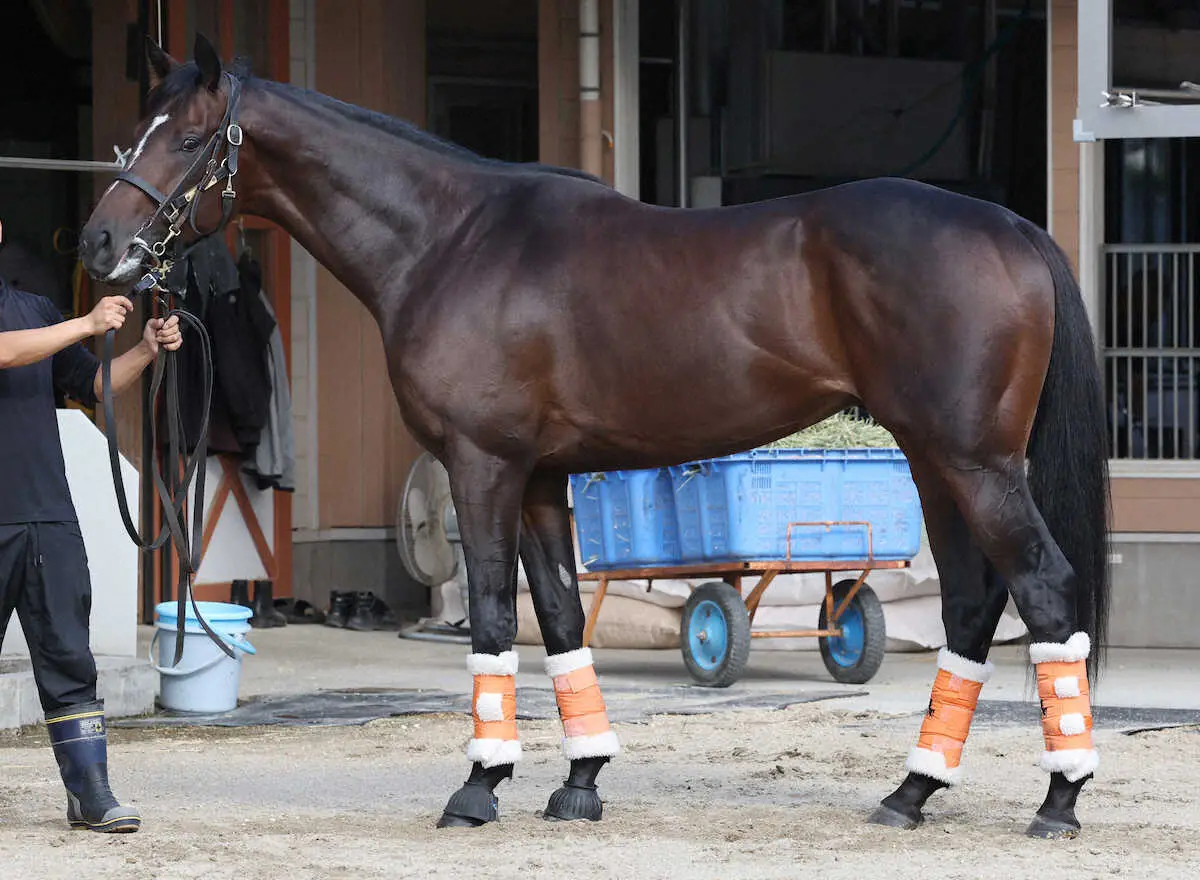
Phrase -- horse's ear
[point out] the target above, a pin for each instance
(208, 61)
(161, 64)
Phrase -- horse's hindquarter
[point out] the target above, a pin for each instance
(945, 309)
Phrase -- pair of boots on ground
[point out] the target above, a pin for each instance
(360, 611)
(80, 741)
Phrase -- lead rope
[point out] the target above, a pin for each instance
(174, 496)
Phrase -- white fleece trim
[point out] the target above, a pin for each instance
(1073, 649)
(493, 664)
(563, 664)
(1072, 724)
(1066, 687)
(932, 764)
(601, 745)
(1072, 763)
(494, 752)
(490, 707)
(958, 665)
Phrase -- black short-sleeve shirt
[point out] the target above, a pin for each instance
(33, 477)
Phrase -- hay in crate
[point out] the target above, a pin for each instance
(843, 430)
(840, 431)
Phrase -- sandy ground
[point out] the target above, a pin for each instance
(750, 794)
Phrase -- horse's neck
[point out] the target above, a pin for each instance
(367, 205)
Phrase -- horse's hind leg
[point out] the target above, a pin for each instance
(548, 555)
(973, 599)
(487, 495)
(1005, 521)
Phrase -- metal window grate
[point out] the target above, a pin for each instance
(1149, 342)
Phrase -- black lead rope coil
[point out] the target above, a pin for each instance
(174, 496)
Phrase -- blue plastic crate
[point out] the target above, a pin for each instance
(738, 507)
(625, 519)
(701, 508)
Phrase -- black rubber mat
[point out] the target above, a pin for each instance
(351, 707)
(1003, 713)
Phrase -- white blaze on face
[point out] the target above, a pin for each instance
(130, 262)
(158, 120)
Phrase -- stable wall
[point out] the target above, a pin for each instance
(352, 449)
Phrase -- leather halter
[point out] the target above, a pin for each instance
(183, 201)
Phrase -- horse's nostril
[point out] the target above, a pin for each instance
(95, 242)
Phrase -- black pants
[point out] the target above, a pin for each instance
(44, 578)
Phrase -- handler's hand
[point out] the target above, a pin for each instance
(164, 333)
(109, 314)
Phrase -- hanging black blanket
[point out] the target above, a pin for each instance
(224, 295)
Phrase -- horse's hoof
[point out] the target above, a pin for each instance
(449, 820)
(571, 803)
(1046, 828)
(885, 815)
(469, 807)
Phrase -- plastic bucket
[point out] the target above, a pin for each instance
(206, 679)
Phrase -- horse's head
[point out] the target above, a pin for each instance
(176, 184)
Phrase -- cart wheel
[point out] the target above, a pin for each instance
(855, 656)
(715, 635)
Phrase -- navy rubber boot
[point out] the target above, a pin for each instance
(80, 744)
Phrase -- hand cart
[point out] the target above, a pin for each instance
(716, 626)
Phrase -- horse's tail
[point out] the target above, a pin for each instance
(1068, 449)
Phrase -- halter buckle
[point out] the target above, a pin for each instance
(233, 134)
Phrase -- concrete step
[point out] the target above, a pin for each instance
(128, 686)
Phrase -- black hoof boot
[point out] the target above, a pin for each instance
(1056, 819)
(475, 803)
(578, 798)
(902, 808)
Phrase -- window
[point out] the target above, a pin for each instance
(1150, 298)
(1134, 57)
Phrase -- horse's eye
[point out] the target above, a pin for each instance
(190, 144)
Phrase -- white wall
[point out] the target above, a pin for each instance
(112, 555)
(231, 554)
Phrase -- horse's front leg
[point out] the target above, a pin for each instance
(487, 494)
(547, 551)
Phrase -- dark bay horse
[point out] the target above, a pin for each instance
(537, 323)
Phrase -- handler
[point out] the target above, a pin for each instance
(43, 566)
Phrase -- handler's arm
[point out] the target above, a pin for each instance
(18, 348)
(126, 369)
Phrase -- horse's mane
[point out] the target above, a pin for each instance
(183, 82)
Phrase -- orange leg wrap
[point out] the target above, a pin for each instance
(504, 688)
(494, 709)
(947, 722)
(586, 730)
(1066, 706)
